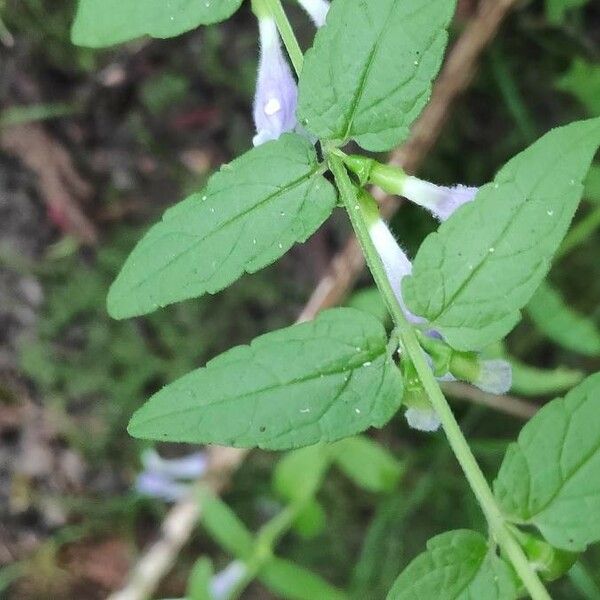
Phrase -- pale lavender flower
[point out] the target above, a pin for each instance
(168, 479)
(395, 262)
(423, 419)
(192, 466)
(276, 89)
(224, 582)
(316, 9)
(441, 201)
(159, 486)
(495, 376)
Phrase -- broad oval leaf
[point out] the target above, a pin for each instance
(313, 382)
(550, 477)
(458, 565)
(561, 324)
(100, 23)
(472, 276)
(369, 73)
(250, 214)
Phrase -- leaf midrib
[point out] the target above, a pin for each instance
(449, 302)
(257, 206)
(361, 86)
(580, 465)
(351, 368)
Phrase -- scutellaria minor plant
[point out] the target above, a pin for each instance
(364, 81)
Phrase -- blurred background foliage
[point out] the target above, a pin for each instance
(144, 124)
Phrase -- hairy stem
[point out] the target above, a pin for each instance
(287, 34)
(457, 440)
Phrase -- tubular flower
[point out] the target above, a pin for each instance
(441, 201)
(495, 376)
(423, 419)
(192, 466)
(492, 376)
(276, 89)
(395, 262)
(316, 9)
(161, 487)
(169, 479)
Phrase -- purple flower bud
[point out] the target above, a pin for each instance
(276, 89)
(395, 262)
(316, 9)
(425, 420)
(439, 200)
(192, 466)
(224, 582)
(158, 486)
(495, 376)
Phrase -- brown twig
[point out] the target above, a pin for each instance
(506, 404)
(345, 268)
(59, 183)
(177, 528)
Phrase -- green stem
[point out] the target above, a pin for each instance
(287, 34)
(266, 541)
(458, 443)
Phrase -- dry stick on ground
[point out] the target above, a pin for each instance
(345, 268)
(59, 184)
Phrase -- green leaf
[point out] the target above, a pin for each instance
(108, 22)
(314, 382)
(556, 9)
(297, 478)
(561, 324)
(311, 520)
(368, 464)
(225, 526)
(592, 185)
(458, 565)
(531, 381)
(382, 553)
(582, 80)
(584, 582)
(307, 465)
(251, 213)
(370, 300)
(473, 275)
(198, 586)
(550, 477)
(293, 582)
(369, 73)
